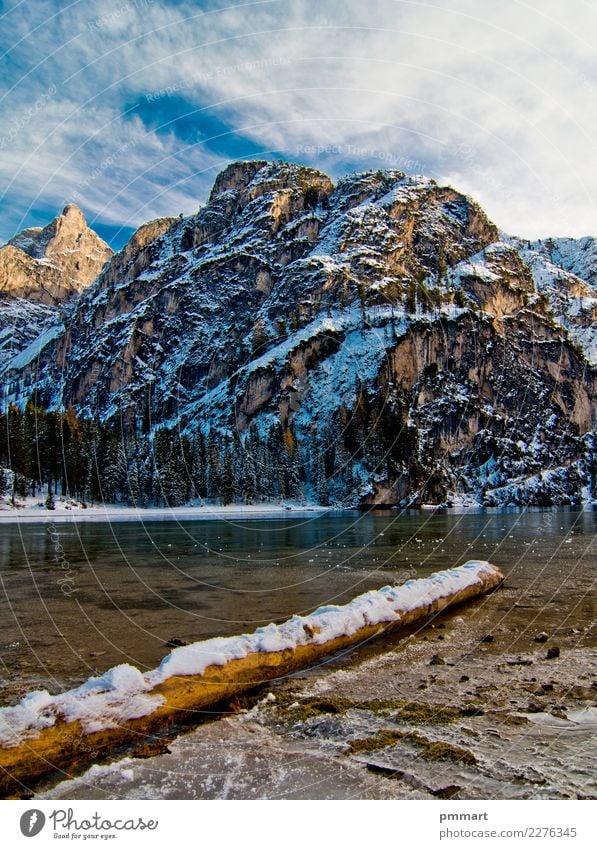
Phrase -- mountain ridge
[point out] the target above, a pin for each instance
(308, 316)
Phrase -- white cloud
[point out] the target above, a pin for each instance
(495, 98)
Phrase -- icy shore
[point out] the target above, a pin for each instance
(33, 510)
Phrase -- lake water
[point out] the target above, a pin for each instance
(134, 585)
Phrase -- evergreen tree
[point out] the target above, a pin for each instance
(76, 460)
(114, 470)
(51, 452)
(227, 485)
(33, 423)
(18, 452)
(248, 480)
(213, 489)
(199, 465)
(291, 471)
(321, 482)
(410, 303)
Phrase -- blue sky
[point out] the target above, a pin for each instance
(131, 107)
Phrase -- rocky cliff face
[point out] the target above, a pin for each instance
(374, 341)
(41, 269)
(50, 265)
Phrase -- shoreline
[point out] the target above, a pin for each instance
(115, 513)
(504, 701)
(64, 512)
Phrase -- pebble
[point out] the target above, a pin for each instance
(541, 638)
(559, 714)
(553, 652)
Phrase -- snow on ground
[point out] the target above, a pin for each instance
(34, 348)
(34, 510)
(23, 325)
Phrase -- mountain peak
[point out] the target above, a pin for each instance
(255, 176)
(74, 214)
(237, 175)
(48, 265)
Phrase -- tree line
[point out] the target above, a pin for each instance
(49, 453)
(53, 453)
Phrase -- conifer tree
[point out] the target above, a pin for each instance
(18, 452)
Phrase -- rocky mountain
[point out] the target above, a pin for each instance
(41, 269)
(376, 341)
(565, 273)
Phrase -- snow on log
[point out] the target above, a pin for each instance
(45, 734)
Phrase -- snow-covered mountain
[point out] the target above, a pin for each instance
(377, 341)
(41, 269)
(565, 273)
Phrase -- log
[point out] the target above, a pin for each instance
(46, 735)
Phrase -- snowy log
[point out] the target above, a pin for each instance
(47, 734)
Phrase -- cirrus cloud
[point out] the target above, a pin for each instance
(130, 107)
